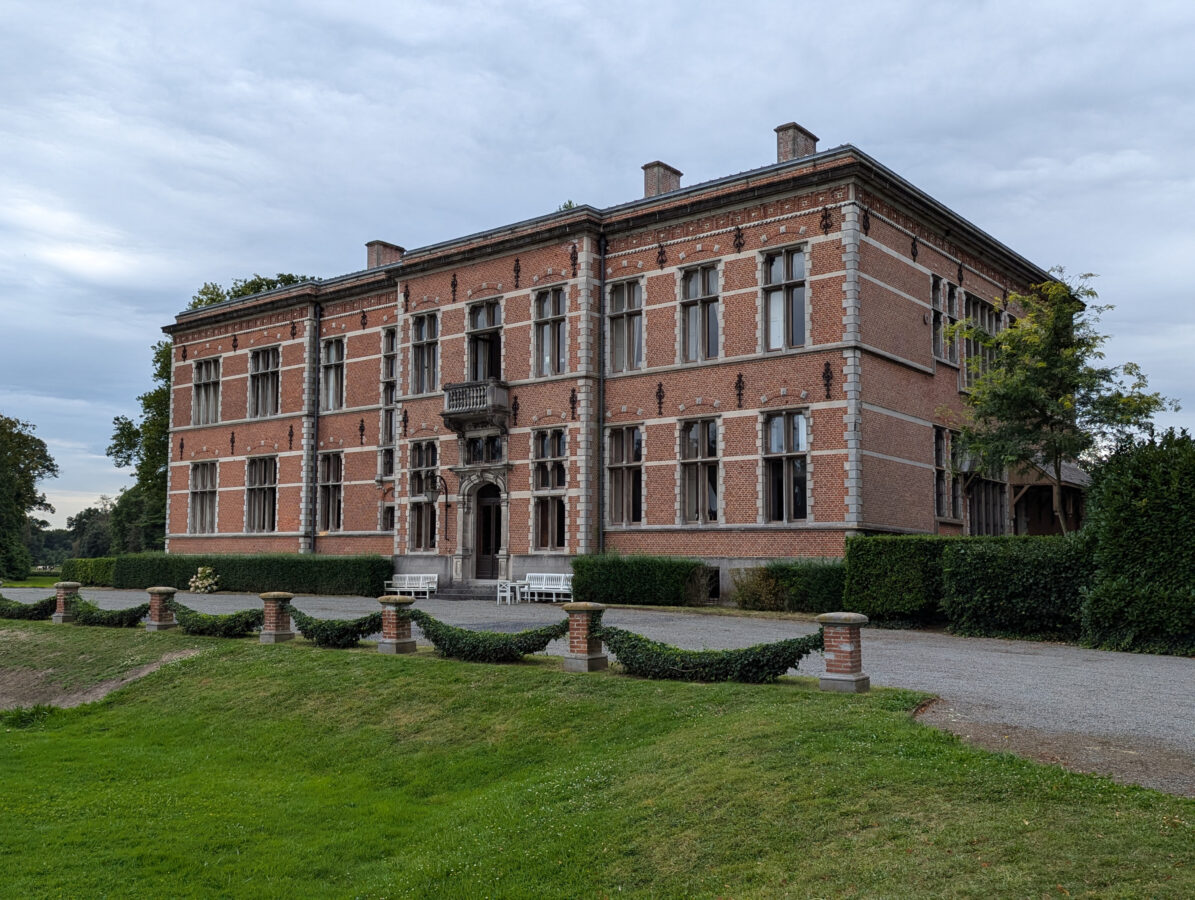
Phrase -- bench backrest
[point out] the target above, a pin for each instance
(547, 580)
(415, 581)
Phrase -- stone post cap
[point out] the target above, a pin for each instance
(396, 600)
(841, 618)
(69, 585)
(582, 607)
(161, 590)
(276, 595)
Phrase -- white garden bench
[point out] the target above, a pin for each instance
(540, 585)
(413, 585)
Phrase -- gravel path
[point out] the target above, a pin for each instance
(1127, 715)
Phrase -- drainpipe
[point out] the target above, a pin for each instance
(313, 468)
(601, 398)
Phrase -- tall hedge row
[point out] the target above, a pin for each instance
(362, 576)
(896, 580)
(792, 585)
(1141, 522)
(1015, 586)
(644, 580)
(99, 570)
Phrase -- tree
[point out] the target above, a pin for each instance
(91, 530)
(24, 462)
(1040, 395)
(140, 512)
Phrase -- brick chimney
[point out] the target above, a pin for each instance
(793, 142)
(660, 178)
(382, 253)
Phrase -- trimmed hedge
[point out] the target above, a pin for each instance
(99, 570)
(1015, 586)
(89, 614)
(645, 580)
(895, 580)
(336, 633)
(228, 625)
(797, 585)
(362, 576)
(42, 609)
(485, 646)
(1141, 520)
(760, 664)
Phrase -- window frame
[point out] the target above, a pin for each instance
(786, 465)
(625, 321)
(265, 382)
(205, 391)
(700, 470)
(549, 518)
(551, 339)
(487, 334)
(786, 289)
(703, 307)
(203, 498)
(982, 314)
(330, 493)
(261, 495)
(425, 353)
(945, 315)
(423, 459)
(948, 494)
(624, 475)
(332, 358)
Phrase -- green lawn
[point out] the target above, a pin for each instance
(41, 581)
(289, 771)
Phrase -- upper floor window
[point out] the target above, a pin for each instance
(332, 375)
(261, 493)
(979, 356)
(389, 365)
(423, 480)
(485, 340)
(201, 518)
(626, 326)
(264, 382)
(785, 466)
(626, 475)
(484, 449)
(699, 313)
(784, 299)
(205, 403)
(699, 470)
(550, 347)
(424, 353)
(330, 470)
(948, 488)
(944, 299)
(549, 451)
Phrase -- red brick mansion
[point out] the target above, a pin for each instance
(748, 368)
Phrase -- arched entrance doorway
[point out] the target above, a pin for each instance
(489, 531)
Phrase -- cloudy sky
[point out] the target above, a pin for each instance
(148, 147)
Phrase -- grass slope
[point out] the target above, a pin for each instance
(290, 771)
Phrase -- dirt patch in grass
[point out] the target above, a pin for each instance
(1123, 759)
(30, 687)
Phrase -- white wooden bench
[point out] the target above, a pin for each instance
(413, 585)
(541, 585)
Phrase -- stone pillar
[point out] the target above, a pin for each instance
(65, 590)
(396, 628)
(276, 626)
(160, 616)
(844, 653)
(584, 651)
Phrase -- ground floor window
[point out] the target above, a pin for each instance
(331, 475)
(261, 494)
(549, 523)
(699, 470)
(948, 491)
(625, 472)
(202, 518)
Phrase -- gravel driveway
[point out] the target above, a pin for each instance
(1127, 715)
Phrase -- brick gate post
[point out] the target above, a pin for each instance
(64, 591)
(275, 627)
(396, 628)
(844, 654)
(160, 616)
(584, 650)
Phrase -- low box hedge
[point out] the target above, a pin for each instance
(227, 625)
(362, 576)
(792, 585)
(336, 633)
(42, 609)
(485, 646)
(98, 571)
(1015, 586)
(87, 613)
(895, 580)
(612, 579)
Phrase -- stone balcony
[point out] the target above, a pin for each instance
(476, 404)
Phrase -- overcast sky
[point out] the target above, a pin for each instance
(148, 147)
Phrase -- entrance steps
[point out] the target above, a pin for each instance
(468, 590)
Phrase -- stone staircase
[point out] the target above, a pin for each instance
(468, 590)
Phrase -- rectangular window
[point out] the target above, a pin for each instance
(549, 332)
(332, 375)
(205, 403)
(423, 482)
(389, 372)
(699, 470)
(784, 299)
(484, 449)
(699, 313)
(977, 357)
(424, 353)
(626, 327)
(987, 506)
(264, 366)
(261, 494)
(948, 494)
(625, 470)
(485, 340)
(331, 476)
(388, 517)
(786, 466)
(202, 519)
(549, 480)
(944, 299)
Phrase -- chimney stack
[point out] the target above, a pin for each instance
(382, 253)
(660, 178)
(793, 142)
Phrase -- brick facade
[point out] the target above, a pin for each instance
(787, 321)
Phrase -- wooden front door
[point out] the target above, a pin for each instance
(489, 531)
